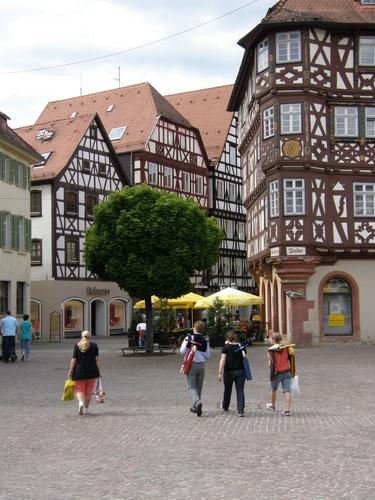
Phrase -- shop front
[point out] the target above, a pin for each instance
(57, 313)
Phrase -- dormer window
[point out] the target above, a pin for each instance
(262, 55)
(367, 50)
(288, 47)
(116, 133)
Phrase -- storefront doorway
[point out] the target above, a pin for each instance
(98, 318)
(337, 307)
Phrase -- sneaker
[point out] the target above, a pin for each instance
(270, 407)
(80, 410)
(222, 408)
(193, 410)
(199, 409)
(86, 411)
(22, 357)
(286, 413)
(240, 414)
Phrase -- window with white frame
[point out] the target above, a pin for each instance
(220, 188)
(232, 155)
(268, 123)
(346, 121)
(241, 230)
(199, 184)
(152, 173)
(370, 122)
(367, 50)
(116, 133)
(262, 55)
(290, 115)
(294, 196)
(274, 198)
(186, 182)
(168, 177)
(232, 191)
(288, 47)
(364, 199)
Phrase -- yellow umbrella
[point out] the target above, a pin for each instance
(141, 303)
(230, 297)
(186, 301)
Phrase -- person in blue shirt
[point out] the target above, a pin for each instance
(26, 333)
(8, 329)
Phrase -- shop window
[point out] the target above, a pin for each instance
(337, 307)
(35, 317)
(117, 316)
(73, 315)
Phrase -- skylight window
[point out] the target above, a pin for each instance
(116, 133)
(74, 114)
(110, 107)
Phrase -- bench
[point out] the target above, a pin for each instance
(135, 349)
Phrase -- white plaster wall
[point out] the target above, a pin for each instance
(41, 227)
(15, 266)
(363, 272)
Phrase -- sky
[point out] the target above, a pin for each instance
(38, 34)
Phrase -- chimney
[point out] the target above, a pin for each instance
(3, 121)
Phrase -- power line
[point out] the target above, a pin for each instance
(137, 47)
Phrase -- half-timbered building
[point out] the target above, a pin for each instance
(79, 169)
(206, 109)
(154, 142)
(15, 244)
(304, 94)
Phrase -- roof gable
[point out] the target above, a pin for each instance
(206, 109)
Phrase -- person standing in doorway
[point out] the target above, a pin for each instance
(8, 329)
(141, 330)
(231, 368)
(195, 376)
(26, 333)
(84, 369)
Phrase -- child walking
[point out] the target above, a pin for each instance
(26, 333)
(279, 360)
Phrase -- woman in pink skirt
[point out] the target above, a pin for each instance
(84, 370)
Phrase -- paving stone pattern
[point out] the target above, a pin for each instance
(143, 443)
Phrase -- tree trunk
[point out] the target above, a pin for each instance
(149, 341)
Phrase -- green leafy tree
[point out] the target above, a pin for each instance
(151, 242)
(219, 322)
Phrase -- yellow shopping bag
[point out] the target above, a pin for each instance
(68, 394)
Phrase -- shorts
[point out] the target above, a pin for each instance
(85, 386)
(285, 378)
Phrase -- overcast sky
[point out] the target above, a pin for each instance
(40, 33)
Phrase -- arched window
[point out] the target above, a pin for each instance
(117, 317)
(73, 318)
(337, 307)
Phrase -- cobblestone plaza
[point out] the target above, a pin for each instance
(144, 443)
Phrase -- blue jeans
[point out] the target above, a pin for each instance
(194, 381)
(238, 377)
(285, 378)
(25, 348)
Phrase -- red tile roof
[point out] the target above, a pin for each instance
(336, 11)
(206, 109)
(136, 107)
(67, 135)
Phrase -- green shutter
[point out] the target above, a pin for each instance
(2, 166)
(15, 232)
(16, 173)
(2, 229)
(28, 235)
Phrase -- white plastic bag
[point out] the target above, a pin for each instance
(294, 388)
